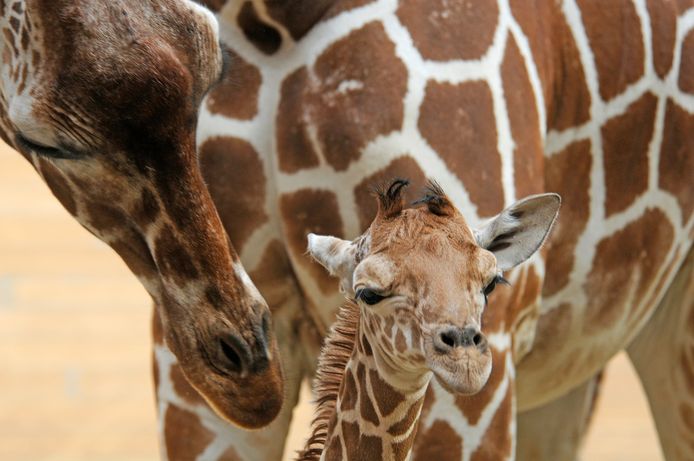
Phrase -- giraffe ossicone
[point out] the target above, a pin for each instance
(417, 283)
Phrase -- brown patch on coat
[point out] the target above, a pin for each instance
(614, 35)
(402, 449)
(184, 435)
(155, 375)
(133, 249)
(236, 180)
(236, 96)
(496, 315)
(686, 80)
(408, 420)
(311, 210)
(349, 392)
(173, 260)
(344, 5)
(401, 167)
(438, 442)
(443, 30)
(625, 141)
(366, 56)
(552, 324)
(458, 122)
(157, 340)
(687, 366)
(646, 307)
(570, 101)
(298, 16)
(157, 328)
(356, 96)
(261, 35)
(360, 447)
(496, 442)
(334, 450)
(104, 217)
(429, 399)
(472, 406)
(536, 18)
(528, 154)
(58, 185)
(687, 416)
(513, 302)
(147, 209)
(387, 398)
(400, 341)
(626, 262)
(183, 388)
(294, 146)
(663, 30)
(676, 168)
(367, 412)
(568, 174)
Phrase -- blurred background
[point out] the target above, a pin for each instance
(75, 369)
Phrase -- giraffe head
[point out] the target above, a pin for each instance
(102, 99)
(421, 277)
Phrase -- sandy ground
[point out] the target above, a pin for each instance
(75, 348)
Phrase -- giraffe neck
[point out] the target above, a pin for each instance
(373, 419)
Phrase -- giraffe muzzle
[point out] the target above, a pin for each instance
(460, 358)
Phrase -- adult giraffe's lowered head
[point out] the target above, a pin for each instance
(102, 98)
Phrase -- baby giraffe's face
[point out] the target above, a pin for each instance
(421, 278)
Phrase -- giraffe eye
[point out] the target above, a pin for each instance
(42, 150)
(369, 296)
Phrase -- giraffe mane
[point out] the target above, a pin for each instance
(332, 362)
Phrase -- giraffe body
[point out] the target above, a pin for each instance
(358, 92)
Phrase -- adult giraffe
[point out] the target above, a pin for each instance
(496, 100)
(102, 99)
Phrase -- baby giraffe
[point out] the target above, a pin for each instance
(417, 282)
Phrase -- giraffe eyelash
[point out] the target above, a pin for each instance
(369, 296)
(44, 151)
(498, 279)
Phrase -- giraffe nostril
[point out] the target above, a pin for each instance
(232, 350)
(448, 339)
(451, 337)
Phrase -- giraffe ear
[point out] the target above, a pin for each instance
(519, 231)
(338, 256)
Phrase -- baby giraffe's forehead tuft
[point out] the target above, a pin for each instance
(418, 226)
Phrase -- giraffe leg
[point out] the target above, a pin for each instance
(663, 355)
(189, 429)
(555, 431)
